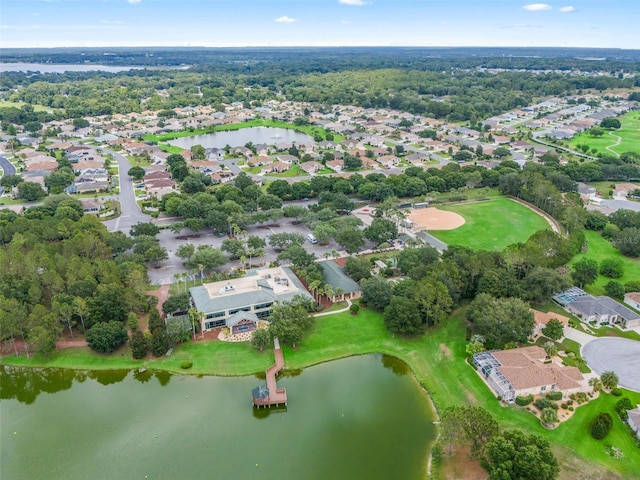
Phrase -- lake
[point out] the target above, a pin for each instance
(239, 138)
(361, 417)
(61, 68)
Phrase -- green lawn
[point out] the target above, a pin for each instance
(491, 225)
(600, 249)
(36, 108)
(437, 359)
(629, 133)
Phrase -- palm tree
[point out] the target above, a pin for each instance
(550, 349)
(548, 416)
(596, 384)
(477, 339)
(609, 379)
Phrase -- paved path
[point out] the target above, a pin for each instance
(7, 169)
(619, 139)
(324, 314)
(433, 241)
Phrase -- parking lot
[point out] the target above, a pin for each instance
(173, 266)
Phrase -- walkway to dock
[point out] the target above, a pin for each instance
(275, 395)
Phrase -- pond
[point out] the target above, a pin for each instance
(361, 417)
(239, 138)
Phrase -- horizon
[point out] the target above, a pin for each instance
(319, 23)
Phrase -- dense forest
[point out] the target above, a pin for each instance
(431, 83)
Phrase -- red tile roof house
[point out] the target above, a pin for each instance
(335, 165)
(523, 371)
(541, 319)
(388, 161)
(276, 167)
(311, 167)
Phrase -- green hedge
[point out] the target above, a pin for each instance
(554, 395)
(524, 401)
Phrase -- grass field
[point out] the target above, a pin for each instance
(436, 358)
(629, 136)
(36, 108)
(600, 249)
(491, 225)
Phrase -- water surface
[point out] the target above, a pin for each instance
(61, 68)
(238, 138)
(361, 417)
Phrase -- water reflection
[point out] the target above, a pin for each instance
(26, 384)
(262, 413)
(396, 366)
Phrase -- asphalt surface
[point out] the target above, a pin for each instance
(7, 169)
(618, 354)
(131, 213)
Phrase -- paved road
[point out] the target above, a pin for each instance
(131, 213)
(618, 354)
(433, 156)
(7, 169)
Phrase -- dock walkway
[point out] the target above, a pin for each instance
(274, 395)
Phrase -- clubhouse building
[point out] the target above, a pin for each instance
(239, 303)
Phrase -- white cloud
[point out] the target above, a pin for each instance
(353, 3)
(134, 1)
(568, 9)
(285, 19)
(537, 7)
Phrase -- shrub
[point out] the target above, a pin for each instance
(554, 395)
(138, 344)
(601, 426)
(543, 403)
(564, 406)
(524, 401)
(571, 409)
(616, 392)
(186, 365)
(106, 337)
(354, 308)
(622, 406)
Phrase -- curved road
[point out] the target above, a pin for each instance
(7, 169)
(130, 211)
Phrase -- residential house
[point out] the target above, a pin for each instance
(259, 160)
(527, 371)
(276, 167)
(600, 310)
(160, 187)
(633, 300)
(388, 161)
(541, 319)
(311, 167)
(335, 165)
(288, 159)
(91, 206)
(342, 284)
(255, 293)
(633, 419)
(222, 176)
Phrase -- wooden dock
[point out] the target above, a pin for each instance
(272, 395)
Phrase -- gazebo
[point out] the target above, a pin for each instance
(241, 322)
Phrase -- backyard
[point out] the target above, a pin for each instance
(600, 249)
(491, 225)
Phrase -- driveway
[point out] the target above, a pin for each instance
(618, 354)
(578, 336)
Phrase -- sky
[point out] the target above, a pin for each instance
(226, 23)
